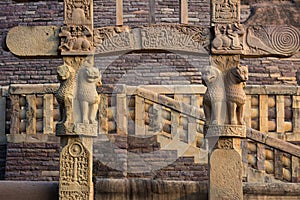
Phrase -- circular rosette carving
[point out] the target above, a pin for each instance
(76, 149)
(285, 39)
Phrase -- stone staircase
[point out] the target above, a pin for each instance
(117, 156)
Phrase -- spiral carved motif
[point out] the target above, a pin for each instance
(285, 39)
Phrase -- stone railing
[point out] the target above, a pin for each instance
(32, 109)
(174, 112)
(267, 158)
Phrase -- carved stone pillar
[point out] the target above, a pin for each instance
(78, 100)
(225, 127)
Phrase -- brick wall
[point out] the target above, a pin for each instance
(32, 161)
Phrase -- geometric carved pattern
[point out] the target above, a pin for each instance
(225, 11)
(74, 172)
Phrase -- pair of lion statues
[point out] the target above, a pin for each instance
(80, 87)
(224, 100)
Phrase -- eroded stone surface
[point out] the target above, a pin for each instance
(33, 41)
(225, 175)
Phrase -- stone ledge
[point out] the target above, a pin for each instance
(225, 131)
(37, 138)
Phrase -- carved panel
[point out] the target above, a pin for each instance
(225, 11)
(74, 181)
(225, 143)
(256, 40)
(225, 130)
(76, 40)
(174, 37)
(110, 39)
(78, 12)
(159, 37)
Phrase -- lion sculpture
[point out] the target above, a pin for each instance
(64, 95)
(88, 98)
(214, 102)
(235, 82)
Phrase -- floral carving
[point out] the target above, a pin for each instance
(111, 39)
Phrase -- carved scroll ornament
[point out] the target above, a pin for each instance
(255, 40)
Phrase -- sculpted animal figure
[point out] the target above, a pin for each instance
(235, 82)
(214, 103)
(64, 95)
(88, 79)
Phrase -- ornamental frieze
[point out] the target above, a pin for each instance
(255, 40)
(157, 37)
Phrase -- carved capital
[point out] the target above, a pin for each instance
(225, 131)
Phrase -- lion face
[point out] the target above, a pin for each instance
(63, 72)
(92, 75)
(210, 75)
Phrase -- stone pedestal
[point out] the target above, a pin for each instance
(225, 162)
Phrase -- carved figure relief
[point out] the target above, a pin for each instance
(235, 81)
(65, 94)
(214, 100)
(228, 37)
(88, 79)
(75, 39)
(74, 171)
(78, 12)
(256, 40)
(225, 11)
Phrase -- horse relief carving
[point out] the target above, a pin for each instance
(214, 100)
(235, 81)
(87, 96)
(64, 95)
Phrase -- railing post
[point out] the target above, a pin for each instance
(15, 114)
(48, 114)
(280, 113)
(122, 124)
(263, 113)
(139, 115)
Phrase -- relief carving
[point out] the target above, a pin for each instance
(75, 40)
(228, 37)
(64, 95)
(214, 100)
(225, 11)
(225, 143)
(190, 38)
(111, 39)
(74, 172)
(78, 12)
(235, 81)
(255, 40)
(86, 94)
